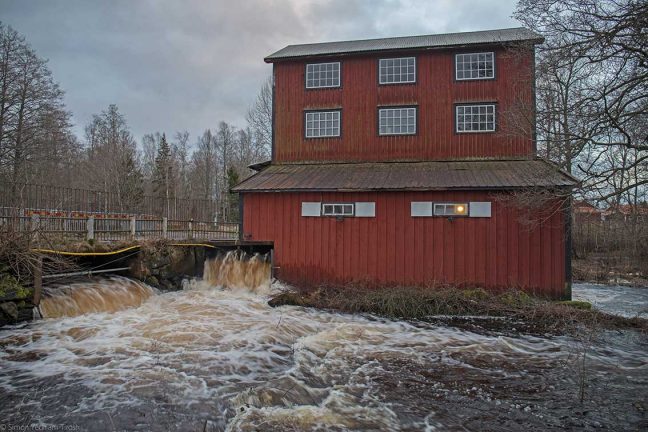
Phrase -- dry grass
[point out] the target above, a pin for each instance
(611, 268)
(445, 303)
(19, 259)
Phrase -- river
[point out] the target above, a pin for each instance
(212, 359)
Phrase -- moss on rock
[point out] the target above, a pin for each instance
(577, 304)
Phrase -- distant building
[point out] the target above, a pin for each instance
(586, 212)
(389, 161)
(623, 212)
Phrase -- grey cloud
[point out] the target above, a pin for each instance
(173, 65)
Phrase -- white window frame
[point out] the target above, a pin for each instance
(316, 73)
(389, 110)
(450, 205)
(482, 110)
(467, 60)
(394, 73)
(322, 124)
(338, 209)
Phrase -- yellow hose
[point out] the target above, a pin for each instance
(85, 253)
(115, 252)
(194, 244)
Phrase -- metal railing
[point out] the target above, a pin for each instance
(119, 229)
(69, 202)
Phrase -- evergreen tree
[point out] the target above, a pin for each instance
(232, 198)
(132, 190)
(163, 175)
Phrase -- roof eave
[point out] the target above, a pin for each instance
(413, 189)
(259, 165)
(554, 165)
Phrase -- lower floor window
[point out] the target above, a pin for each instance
(475, 118)
(450, 209)
(323, 124)
(342, 209)
(397, 121)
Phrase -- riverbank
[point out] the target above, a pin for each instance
(609, 269)
(510, 311)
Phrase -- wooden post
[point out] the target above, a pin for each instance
(165, 222)
(90, 227)
(35, 224)
(38, 280)
(133, 227)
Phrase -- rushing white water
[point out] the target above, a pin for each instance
(208, 358)
(235, 270)
(103, 295)
(618, 300)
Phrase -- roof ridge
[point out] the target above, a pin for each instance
(404, 37)
(491, 36)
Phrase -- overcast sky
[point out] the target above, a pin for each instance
(185, 65)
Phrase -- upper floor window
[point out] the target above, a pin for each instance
(322, 124)
(475, 118)
(397, 70)
(475, 66)
(322, 75)
(397, 121)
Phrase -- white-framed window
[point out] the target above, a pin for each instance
(397, 70)
(475, 118)
(475, 66)
(473, 209)
(450, 209)
(397, 121)
(322, 75)
(337, 209)
(322, 124)
(355, 209)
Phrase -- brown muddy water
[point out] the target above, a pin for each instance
(210, 358)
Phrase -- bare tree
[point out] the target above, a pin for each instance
(593, 91)
(150, 145)
(225, 141)
(34, 126)
(12, 45)
(204, 168)
(112, 158)
(259, 116)
(181, 153)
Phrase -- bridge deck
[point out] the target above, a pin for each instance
(111, 229)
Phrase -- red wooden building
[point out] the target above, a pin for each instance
(394, 162)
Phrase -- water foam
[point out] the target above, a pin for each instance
(215, 358)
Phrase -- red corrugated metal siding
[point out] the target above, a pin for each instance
(394, 248)
(435, 93)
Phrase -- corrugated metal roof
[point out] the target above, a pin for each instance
(408, 42)
(467, 175)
